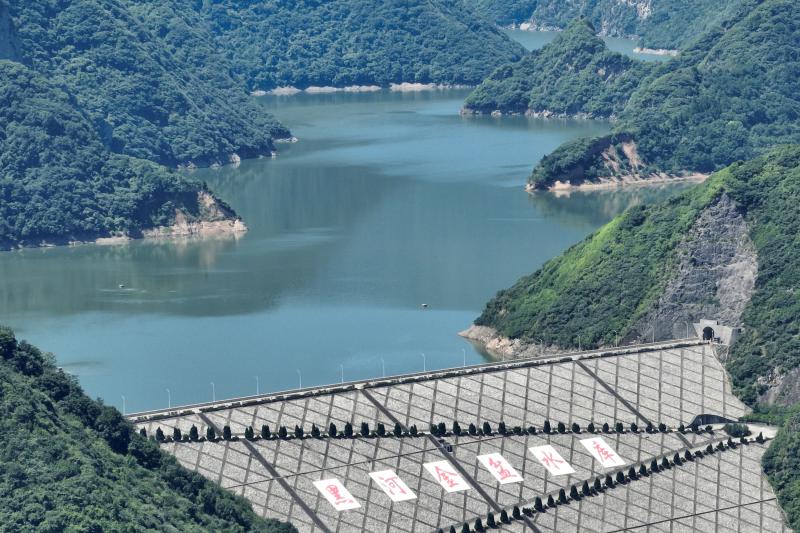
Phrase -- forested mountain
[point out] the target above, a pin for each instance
(730, 96)
(726, 249)
(349, 42)
(69, 463)
(573, 75)
(669, 24)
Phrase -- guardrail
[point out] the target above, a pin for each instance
(294, 394)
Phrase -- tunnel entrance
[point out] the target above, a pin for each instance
(708, 333)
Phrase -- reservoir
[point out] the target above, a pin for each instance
(388, 201)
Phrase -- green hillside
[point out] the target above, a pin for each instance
(69, 463)
(362, 42)
(58, 182)
(574, 74)
(599, 288)
(730, 96)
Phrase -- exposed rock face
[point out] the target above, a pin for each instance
(214, 218)
(499, 347)
(714, 276)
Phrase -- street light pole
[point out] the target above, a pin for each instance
(383, 366)
(300, 378)
(424, 363)
(123, 405)
(257, 387)
(169, 399)
(213, 392)
(464, 352)
(341, 367)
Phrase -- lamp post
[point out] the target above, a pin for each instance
(383, 366)
(541, 350)
(123, 405)
(300, 378)
(257, 387)
(341, 367)
(213, 392)
(169, 399)
(424, 362)
(464, 352)
(687, 329)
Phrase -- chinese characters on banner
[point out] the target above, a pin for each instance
(603, 452)
(447, 476)
(336, 494)
(552, 461)
(500, 468)
(393, 486)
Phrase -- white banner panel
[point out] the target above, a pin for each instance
(336, 494)
(447, 476)
(500, 468)
(392, 485)
(602, 452)
(551, 460)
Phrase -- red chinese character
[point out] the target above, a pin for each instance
(502, 471)
(392, 484)
(603, 452)
(448, 477)
(334, 491)
(549, 460)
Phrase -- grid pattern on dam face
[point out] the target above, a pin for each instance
(721, 491)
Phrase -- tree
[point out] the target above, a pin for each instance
(248, 433)
(546, 427)
(619, 427)
(561, 427)
(478, 525)
(226, 432)
(760, 438)
(456, 429)
(381, 429)
(677, 459)
(620, 477)
(501, 428)
(585, 489)
(472, 430)
(487, 429)
(598, 486)
(609, 481)
(515, 513)
(606, 428)
(665, 464)
(364, 429)
(537, 504)
(590, 428)
(211, 435)
(682, 428)
(265, 432)
(143, 432)
(662, 427)
(441, 429)
(193, 434)
(348, 430)
(159, 435)
(642, 470)
(398, 430)
(283, 433)
(634, 428)
(465, 528)
(504, 516)
(576, 428)
(332, 430)
(573, 492)
(315, 433)
(298, 432)
(176, 434)
(550, 501)
(490, 520)
(413, 431)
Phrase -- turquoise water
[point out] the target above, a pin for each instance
(388, 201)
(536, 39)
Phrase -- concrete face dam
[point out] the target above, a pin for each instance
(630, 470)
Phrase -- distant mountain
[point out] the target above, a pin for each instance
(70, 463)
(725, 250)
(660, 24)
(573, 75)
(730, 96)
(349, 42)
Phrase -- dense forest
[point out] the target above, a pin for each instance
(346, 42)
(730, 96)
(573, 75)
(69, 463)
(601, 287)
(660, 24)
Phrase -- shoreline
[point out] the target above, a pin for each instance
(642, 50)
(393, 87)
(560, 187)
(201, 229)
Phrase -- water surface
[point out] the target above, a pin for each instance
(389, 201)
